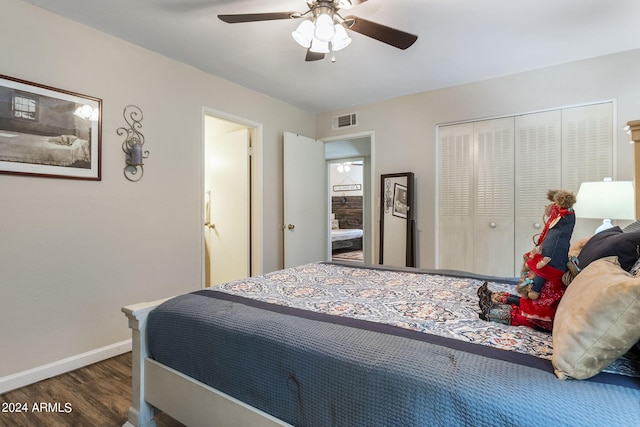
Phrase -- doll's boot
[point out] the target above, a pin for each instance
(499, 314)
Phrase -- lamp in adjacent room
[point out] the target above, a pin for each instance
(344, 167)
(606, 200)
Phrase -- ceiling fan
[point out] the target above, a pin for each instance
(323, 29)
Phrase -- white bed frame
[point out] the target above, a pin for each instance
(159, 388)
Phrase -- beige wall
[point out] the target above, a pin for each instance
(72, 253)
(405, 127)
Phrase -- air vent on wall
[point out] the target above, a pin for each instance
(345, 121)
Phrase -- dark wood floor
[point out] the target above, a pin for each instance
(98, 395)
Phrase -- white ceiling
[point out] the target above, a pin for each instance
(459, 41)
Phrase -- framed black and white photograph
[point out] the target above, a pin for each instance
(400, 201)
(49, 132)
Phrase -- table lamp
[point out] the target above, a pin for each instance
(606, 200)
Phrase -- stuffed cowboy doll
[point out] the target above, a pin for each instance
(540, 287)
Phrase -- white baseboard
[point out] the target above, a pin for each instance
(31, 376)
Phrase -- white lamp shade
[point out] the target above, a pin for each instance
(304, 34)
(606, 200)
(319, 46)
(324, 28)
(341, 39)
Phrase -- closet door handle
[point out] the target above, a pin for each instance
(537, 225)
(493, 224)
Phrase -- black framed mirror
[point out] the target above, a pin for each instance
(397, 223)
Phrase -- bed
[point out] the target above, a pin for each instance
(346, 223)
(333, 344)
(57, 150)
(343, 238)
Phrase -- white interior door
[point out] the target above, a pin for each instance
(493, 204)
(228, 235)
(305, 200)
(456, 197)
(538, 155)
(587, 147)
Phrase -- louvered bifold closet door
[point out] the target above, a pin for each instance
(587, 151)
(455, 197)
(538, 149)
(494, 197)
(494, 176)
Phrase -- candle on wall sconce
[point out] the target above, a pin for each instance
(133, 142)
(136, 154)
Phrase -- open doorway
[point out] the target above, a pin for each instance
(350, 194)
(347, 209)
(230, 234)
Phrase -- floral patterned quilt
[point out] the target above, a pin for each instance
(436, 304)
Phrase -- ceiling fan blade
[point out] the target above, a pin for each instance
(353, 3)
(253, 17)
(388, 35)
(313, 56)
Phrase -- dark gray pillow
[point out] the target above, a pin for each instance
(634, 226)
(612, 242)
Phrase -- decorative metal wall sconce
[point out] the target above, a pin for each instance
(133, 142)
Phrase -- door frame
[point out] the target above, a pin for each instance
(256, 185)
(369, 182)
(329, 163)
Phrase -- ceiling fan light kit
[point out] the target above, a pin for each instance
(304, 34)
(324, 30)
(318, 36)
(341, 39)
(318, 46)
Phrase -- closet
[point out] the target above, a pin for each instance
(493, 178)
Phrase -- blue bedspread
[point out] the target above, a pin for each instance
(313, 373)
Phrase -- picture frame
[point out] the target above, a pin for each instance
(347, 187)
(49, 132)
(400, 207)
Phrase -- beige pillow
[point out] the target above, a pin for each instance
(598, 320)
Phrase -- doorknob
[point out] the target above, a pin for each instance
(291, 226)
(493, 224)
